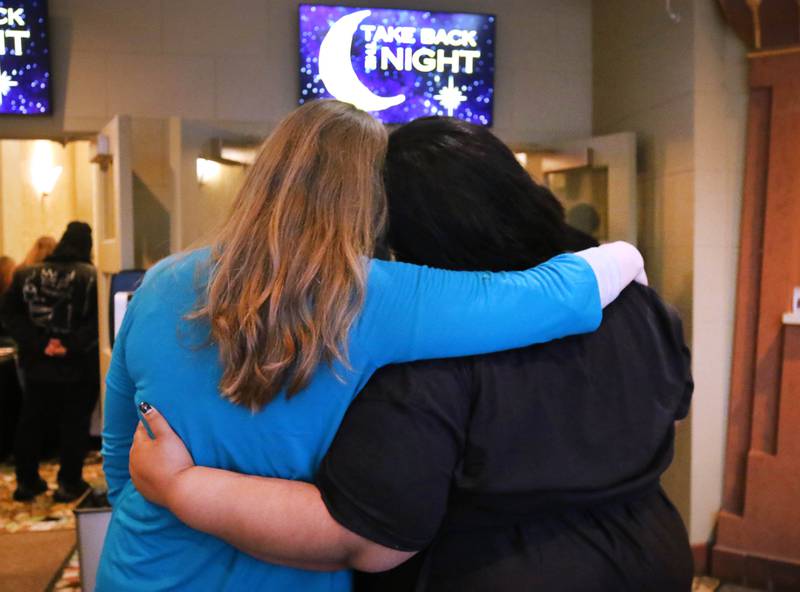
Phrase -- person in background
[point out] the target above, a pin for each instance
(531, 469)
(51, 312)
(10, 393)
(40, 250)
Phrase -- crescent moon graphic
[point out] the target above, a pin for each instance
(336, 68)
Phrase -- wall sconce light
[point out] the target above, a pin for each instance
(239, 154)
(44, 174)
(207, 170)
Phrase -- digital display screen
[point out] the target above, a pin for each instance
(24, 58)
(399, 64)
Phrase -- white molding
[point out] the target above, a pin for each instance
(791, 318)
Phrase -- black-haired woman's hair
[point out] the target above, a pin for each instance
(458, 199)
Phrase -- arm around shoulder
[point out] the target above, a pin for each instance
(414, 312)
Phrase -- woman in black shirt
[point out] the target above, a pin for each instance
(533, 469)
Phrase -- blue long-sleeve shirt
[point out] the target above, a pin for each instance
(409, 313)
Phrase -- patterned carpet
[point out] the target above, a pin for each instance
(43, 514)
(70, 580)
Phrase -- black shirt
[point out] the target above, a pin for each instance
(556, 448)
(54, 299)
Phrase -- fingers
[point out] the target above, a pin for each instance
(140, 435)
(154, 420)
(146, 408)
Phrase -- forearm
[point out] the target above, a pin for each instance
(274, 520)
(419, 313)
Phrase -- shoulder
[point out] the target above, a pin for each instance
(178, 269)
(31, 269)
(23, 272)
(637, 296)
(87, 270)
(381, 273)
(28, 274)
(650, 298)
(175, 282)
(645, 306)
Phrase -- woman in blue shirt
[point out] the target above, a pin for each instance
(255, 347)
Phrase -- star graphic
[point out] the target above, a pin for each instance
(450, 97)
(6, 84)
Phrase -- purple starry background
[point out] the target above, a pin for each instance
(418, 87)
(31, 70)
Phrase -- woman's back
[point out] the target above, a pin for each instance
(410, 312)
(536, 468)
(171, 365)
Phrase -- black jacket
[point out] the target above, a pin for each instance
(54, 299)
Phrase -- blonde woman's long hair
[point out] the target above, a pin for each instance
(41, 249)
(288, 268)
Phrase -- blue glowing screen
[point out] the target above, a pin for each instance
(24, 58)
(399, 64)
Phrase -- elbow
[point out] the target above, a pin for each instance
(371, 565)
(374, 559)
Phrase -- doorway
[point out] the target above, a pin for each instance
(595, 181)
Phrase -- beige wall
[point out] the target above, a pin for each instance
(643, 82)
(82, 179)
(24, 213)
(152, 190)
(720, 113)
(198, 208)
(681, 87)
(234, 63)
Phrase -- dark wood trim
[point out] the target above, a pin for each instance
(778, 21)
(748, 289)
(741, 568)
(758, 528)
(780, 262)
(763, 53)
(702, 559)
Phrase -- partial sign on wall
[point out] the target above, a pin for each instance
(24, 58)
